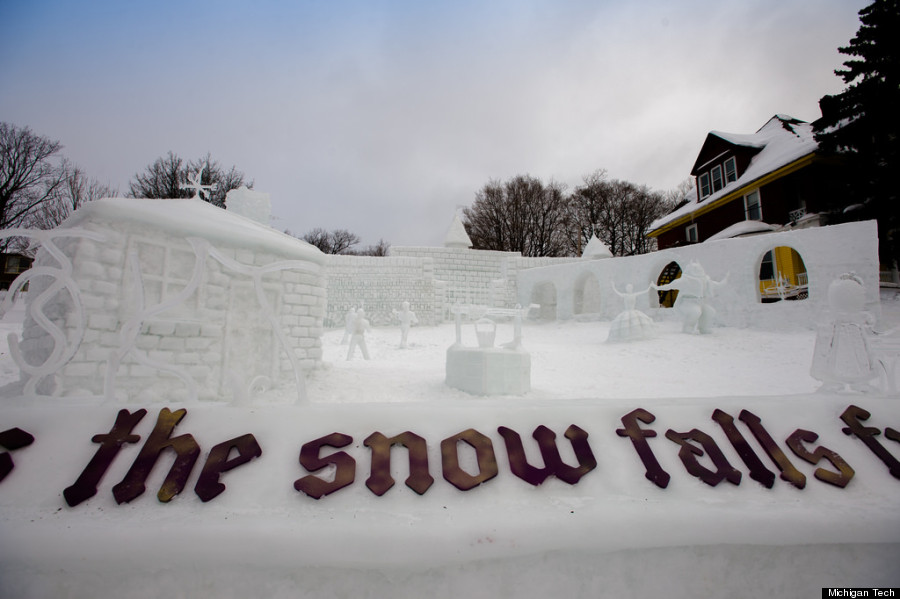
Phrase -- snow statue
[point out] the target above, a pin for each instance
(631, 324)
(407, 319)
(488, 369)
(349, 321)
(694, 290)
(841, 356)
(358, 338)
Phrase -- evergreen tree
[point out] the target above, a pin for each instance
(861, 125)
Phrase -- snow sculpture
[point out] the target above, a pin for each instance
(349, 321)
(407, 319)
(842, 356)
(695, 288)
(631, 324)
(168, 300)
(486, 369)
(596, 250)
(64, 346)
(249, 203)
(358, 338)
(200, 191)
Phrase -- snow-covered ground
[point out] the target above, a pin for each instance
(613, 534)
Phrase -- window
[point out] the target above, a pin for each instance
(717, 183)
(752, 207)
(691, 233)
(704, 185)
(730, 170)
(767, 268)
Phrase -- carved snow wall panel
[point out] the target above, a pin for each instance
(213, 308)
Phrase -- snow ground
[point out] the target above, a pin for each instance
(614, 534)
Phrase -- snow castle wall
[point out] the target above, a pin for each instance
(584, 289)
(172, 299)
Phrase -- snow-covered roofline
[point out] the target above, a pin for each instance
(783, 140)
(196, 218)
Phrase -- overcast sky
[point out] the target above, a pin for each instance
(382, 116)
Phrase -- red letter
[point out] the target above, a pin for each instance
(839, 479)
(345, 471)
(110, 444)
(758, 471)
(208, 485)
(852, 416)
(553, 463)
(689, 452)
(186, 450)
(654, 472)
(380, 480)
(788, 472)
(14, 438)
(484, 451)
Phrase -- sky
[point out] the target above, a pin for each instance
(384, 116)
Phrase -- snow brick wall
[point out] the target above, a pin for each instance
(174, 299)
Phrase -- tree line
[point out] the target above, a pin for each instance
(39, 189)
(524, 214)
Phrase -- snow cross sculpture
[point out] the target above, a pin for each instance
(631, 323)
(199, 190)
(695, 288)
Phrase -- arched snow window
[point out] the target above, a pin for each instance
(671, 272)
(782, 276)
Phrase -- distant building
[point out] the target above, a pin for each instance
(751, 183)
(11, 266)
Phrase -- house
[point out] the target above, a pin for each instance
(748, 184)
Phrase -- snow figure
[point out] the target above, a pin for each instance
(631, 323)
(694, 290)
(358, 338)
(841, 356)
(349, 321)
(407, 318)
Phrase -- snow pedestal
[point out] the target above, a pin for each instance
(489, 371)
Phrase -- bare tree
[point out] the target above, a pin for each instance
(521, 215)
(338, 241)
(618, 212)
(76, 190)
(165, 177)
(29, 175)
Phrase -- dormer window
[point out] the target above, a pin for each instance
(717, 182)
(717, 177)
(730, 170)
(705, 189)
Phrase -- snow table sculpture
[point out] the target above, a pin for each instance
(694, 290)
(407, 319)
(155, 300)
(841, 356)
(358, 338)
(631, 324)
(486, 369)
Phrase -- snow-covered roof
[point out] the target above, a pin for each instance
(782, 140)
(456, 236)
(596, 249)
(744, 227)
(196, 218)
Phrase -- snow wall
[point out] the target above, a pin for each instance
(584, 289)
(431, 279)
(177, 298)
